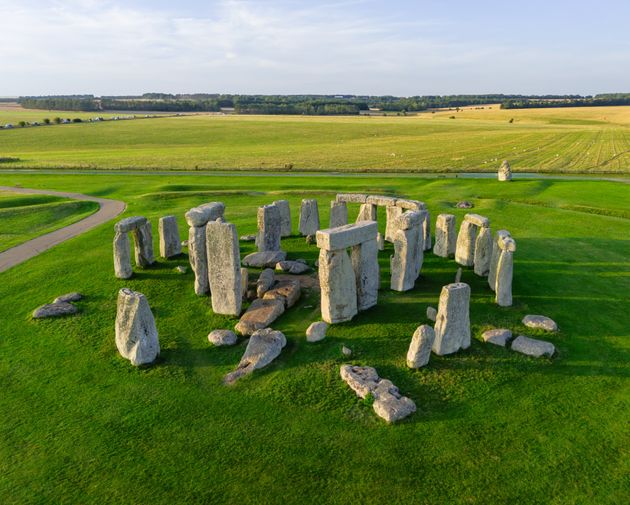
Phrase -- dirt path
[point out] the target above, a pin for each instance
(109, 209)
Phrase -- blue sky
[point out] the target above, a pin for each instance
(399, 47)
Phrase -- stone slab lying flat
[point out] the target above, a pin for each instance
(68, 297)
(260, 314)
(498, 336)
(540, 323)
(292, 267)
(222, 337)
(263, 347)
(533, 347)
(54, 310)
(287, 291)
(266, 259)
(316, 331)
(333, 239)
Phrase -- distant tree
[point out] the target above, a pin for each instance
(511, 120)
(46, 121)
(77, 120)
(22, 124)
(57, 120)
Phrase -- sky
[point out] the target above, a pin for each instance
(363, 47)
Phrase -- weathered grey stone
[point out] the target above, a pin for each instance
(533, 347)
(269, 228)
(458, 275)
(309, 217)
(263, 347)
(136, 333)
(388, 404)
(129, 224)
(170, 243)
(267, 259)
(465, 250)
(180, 269)
(285, 217)
(445, 236)
(143, 245)
(384, 201)
(54, 309)
(316, 331)
(403, 262)
(198, 258)
(292, 267)
(494, 258)
(392, 213)
(419, 351)
(406, 204)
(260, 314)
(244, 281)
(483, 252)
(464, 205)
(222, 337)
(431, 313)
(505, 271)
(224, 268)
(505, 172)
(367, 212)
(426, 229)
(540, 323)
(310, 239)
(266, 279)
(338, 214)
(248, 238)
(408, 220)
(338, 286)
(347, 352)
(333, 239)
(380, 242)
(122, 256)
(498, 336)
(199, 216)
(69, 297)
(351, 197)
(452, 326)
(478, 220)
(367, 273)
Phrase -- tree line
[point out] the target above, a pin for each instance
(606, 99)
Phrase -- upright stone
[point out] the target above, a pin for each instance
(122, 256)
(367, 212)
(224, 268)
(338, 286)
(452, 327)
(309, 217)
(285, 217)
(198, 258)
(483, 251)
(367, 273)
(407, 248)
(143, 239)
(426, 229)
(419, 351)
(505, 172)
(465, 250)
(269, 228)
(494, 258)
(393, 213)
(136, 333)
(338, 214)
(505, 269)
(445, 236)
(170, 243)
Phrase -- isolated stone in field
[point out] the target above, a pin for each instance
(170, 243)
(292, 267)
(483, 251)
(445, 236)
(69, 297)
(465, 250)
(452, 326)
(260, 314)
(533, 347)
(180, 269)
(224, 268)
(309, 217)
(265, 280)
(316, 331)
(263, 347)
(267, 259)
(505, 172)
(136, 333)
(419, 351)
(338, 214)
(540, 323)
(465, 204)
(388, 404)
(346, 351)
(269, 228)
(285, 217)
(367, 212)
(54, 310)
(431, 313)
(222, 337)
(497, 336)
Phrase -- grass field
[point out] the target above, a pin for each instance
(588, 140)
(78, 424)
(25, 217)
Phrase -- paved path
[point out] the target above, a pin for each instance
(109, 209)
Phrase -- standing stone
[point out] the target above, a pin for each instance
(367, 212)
(445, 236)
(367, 273)
(465, 250)
(170, 243)
(198, 258)
(269, 228)
(380, 242)
(452, 327)
(426, 230)
(224, 268)
(404, 262)
(244, 281)
(338, 214)
(505, 270)
(309, 217)
(483, 251)
(122, 256)
(494, 258)
(136, 333)
(285, 217)
(505, 172)
(338, 286)
(392, 213)
(143, 240)
(420, 348)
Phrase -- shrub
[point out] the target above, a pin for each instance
(57, 120)
(77, 120)
(46, 121)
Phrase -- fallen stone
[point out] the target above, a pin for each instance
(464, 205)
(136, 333)
(56, 309)
(533, 347)
(292, 267)
(263, 347)
(266, 259)
(248, 238)
(180, 269)
(419, 351)
(316, 331)
(540, 323)
(346, 351)
(431, 313)
(266, 279)
(497, 336)
(69, 297)
(288, 291)
(260, 314)
(222, 337)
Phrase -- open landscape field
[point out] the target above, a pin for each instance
(567, 140)
(79, 424)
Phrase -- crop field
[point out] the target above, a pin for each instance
(79, 424)
(567, 140)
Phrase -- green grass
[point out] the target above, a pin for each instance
(79, 424)
(25, 217)
(586, 140)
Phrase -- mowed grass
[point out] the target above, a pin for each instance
(81, 425)
(23, 217)
(585, 140)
